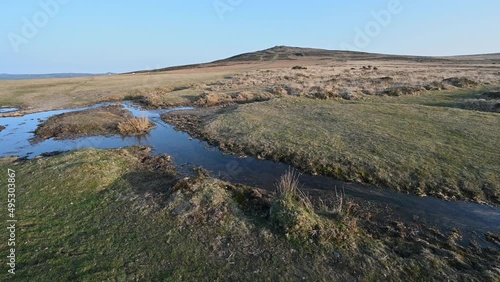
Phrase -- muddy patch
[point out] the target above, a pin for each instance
(191, 121)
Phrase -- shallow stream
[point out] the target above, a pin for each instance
(472, 219)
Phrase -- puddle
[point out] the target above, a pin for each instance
(8, 110)
(472, 219)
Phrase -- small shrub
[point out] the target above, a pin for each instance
(299, 68)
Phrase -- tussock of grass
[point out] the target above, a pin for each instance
(135, 126)
(293, 212)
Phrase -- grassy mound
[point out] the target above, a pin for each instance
(294, 213)
(93, 122)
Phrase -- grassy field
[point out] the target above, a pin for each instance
(400, 143)
(46, 94)
(94, 215)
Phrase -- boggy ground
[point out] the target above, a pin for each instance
(106, 120)
(419, 144)
(125, 215)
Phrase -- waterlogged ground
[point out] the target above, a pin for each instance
(473, 220)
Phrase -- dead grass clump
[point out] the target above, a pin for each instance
(209, 99)
(322, 92)
(435, 86)
(403, 90)
(135, 126)
(460, 82)
(279, 90)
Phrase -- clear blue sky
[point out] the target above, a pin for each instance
(125, 35)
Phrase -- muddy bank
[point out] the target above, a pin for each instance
(101, 121)
(192, 121)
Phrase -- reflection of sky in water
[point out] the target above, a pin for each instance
(15, 141)
(8, 110)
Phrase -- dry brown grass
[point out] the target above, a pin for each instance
(321, 78)
(359, 79)
(135, 126)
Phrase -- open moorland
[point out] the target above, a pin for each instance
(424, 126)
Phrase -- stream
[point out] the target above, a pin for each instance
(472, 219)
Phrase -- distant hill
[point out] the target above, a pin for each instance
(298, 53)
(6, 76)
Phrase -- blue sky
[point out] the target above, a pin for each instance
(45, 36)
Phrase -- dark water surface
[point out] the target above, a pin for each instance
(472, 219)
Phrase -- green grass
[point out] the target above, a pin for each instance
(94, 215)
(450, 98)
(409, 147)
